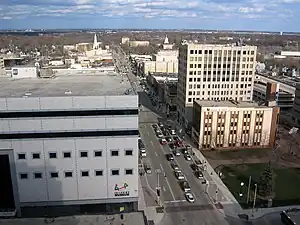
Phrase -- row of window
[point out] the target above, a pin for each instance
(69, 173)
(83, 154)
(220, 52)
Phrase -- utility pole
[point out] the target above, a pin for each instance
(254, 200)
(158, 187)
(248, 192)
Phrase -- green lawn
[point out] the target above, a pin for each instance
(237, 154)
(287, 183)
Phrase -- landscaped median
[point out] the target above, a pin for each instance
(286, 184)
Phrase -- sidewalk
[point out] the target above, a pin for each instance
(259, 212)
(150, 211)
(217, 190)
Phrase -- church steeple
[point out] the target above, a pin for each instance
(95, 45)
(166, 40)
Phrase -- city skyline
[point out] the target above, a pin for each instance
(274, 15)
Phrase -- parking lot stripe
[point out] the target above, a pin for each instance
(170, 188)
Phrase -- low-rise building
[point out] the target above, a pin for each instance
(296, 106)
(159, 67)
(283, 98)
(231, 124)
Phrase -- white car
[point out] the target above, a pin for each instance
(173, 132)
(187, 157)
(189, 197)
(179, 175)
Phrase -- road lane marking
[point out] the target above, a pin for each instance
(170, 188)
(175, 201)
(164, 188)
(155, 154)
(151, 142)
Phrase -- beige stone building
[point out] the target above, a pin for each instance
(160, 67)
(229, 124)
(213, 72)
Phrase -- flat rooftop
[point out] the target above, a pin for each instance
(206, 103)
(84, 85)
(135, 218)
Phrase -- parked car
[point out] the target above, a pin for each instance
(174, 166)
(185, 186)
(166, 133)
(199, 174)
(159, 134)
(187, 157)
(180, 144)
(189, 197)
(155, 126)
(163, 141)
(176, 153)
(169, 139)
(169, 157)
(172, 146)
(172, 131)
(160, 124)
(179, 175)
(176, 138)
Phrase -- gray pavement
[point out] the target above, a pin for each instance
(136, 218)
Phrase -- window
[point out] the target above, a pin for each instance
(52, 155)
(97, 153)
(54, 174)
(68, 174)
(128, 152)
(85, 173)
(67, 154)
(21, 156)
(36, 155)
(23, 176)
(114, 153)
(128, 171)
(83, 154)
(98, 173)
(37, 175)
(114, 172)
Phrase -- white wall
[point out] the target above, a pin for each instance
(77, 187)
(64, 103)
(23, 72)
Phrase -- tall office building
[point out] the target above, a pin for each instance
(213, 72)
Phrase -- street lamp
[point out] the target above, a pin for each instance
(242, 184)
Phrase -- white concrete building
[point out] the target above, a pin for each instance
(159, 67)
(213, 72)
(229, 124)
(166, 56)
(69, 141)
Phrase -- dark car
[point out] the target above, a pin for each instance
(155, 126)
(172, 146)
(199, 174)
(166, 133)
(169, 157)
(169, 139)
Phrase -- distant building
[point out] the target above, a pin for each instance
(139, 43)
(166, 56)
(231, 124)
(125, 40)
(167, 45)
(159, 67)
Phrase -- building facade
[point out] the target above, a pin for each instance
(296, 106)
(213, 72)
(229, 124)
(73, 151)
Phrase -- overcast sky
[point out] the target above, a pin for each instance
(261, 15)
